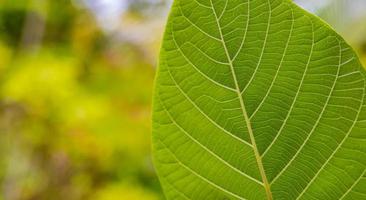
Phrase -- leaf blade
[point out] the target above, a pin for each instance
(275, 103)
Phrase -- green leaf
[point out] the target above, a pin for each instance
(257, 99)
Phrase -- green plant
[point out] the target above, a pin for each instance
(257, 99)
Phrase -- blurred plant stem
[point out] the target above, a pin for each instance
(34, 25)
(14, 152)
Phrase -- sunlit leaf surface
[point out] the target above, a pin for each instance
(257, 99)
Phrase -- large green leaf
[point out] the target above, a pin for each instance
(257, 99)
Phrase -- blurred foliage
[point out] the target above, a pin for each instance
(74, 107)
(75, 99)
(146, 8)
(9, 24)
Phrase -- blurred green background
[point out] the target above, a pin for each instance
(76, 79)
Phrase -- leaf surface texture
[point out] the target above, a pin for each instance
(257, 99)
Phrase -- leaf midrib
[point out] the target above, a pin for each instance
(244, 112)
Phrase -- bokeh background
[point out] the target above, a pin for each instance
(76, 79)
